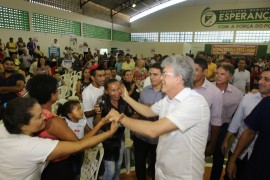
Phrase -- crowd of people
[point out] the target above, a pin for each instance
(180, 109)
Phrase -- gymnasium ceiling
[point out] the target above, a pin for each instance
(122, 10)
(125, 6)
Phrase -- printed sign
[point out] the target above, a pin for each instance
(244, 50)
(236, 16)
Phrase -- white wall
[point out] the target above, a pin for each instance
(179, 18)
(46, 39)
(176, 18)
(187, 18)
(146, 47)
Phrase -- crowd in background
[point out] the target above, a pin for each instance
(224, 81)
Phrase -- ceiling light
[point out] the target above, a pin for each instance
(133, 5)
(154, 9)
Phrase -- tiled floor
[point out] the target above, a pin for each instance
(132, 175)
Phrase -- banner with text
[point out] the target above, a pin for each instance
(237, 18)
(244, 50)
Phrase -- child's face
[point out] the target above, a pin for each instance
(76, 112)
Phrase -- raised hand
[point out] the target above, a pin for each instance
(124, 91)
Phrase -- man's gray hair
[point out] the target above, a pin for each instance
(182, 65)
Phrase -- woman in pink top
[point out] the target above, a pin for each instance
(42, 68)
(44, 89)
(140, 73)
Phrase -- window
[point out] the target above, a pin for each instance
(14, 19)
(253, 36)
(145, 37)
(66, 5)
(120, 36)
(54, 25)
(176, 36)
(97, 32)
(213, 36)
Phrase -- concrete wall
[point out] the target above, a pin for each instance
(46, 39)
(185, 17)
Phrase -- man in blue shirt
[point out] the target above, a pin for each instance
(144, 146)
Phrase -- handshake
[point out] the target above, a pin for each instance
(115, 116)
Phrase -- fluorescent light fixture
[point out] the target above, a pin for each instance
(133, 5)
(154, 9)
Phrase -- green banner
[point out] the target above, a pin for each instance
(231, 16)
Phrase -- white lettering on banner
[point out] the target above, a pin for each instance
(244, 16)
(236, 16)
(244, 26)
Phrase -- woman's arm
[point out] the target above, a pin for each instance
(65, 148)
(78, 89)
(57, 127)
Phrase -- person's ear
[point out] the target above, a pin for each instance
(205, 72)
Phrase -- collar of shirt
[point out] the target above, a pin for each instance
(181, 96)
(229, 88)
(152, 88)
(205, 83)
(241, 70)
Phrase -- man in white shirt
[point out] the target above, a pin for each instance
(182, 126)
(237, 125)
(55, 44)
(115, 75)
(91, 93)
(241, 77)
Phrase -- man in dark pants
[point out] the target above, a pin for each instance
(231, 98)
(257, 123)
(143, 146)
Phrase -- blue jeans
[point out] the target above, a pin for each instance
(113, 168)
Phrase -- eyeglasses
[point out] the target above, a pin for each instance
(267, 79)
(167, 74)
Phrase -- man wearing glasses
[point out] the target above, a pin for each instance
(183, 122)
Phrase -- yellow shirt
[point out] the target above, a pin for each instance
(12, 47)
(211, 70)
(126, 66)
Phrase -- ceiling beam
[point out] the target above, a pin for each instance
(123, 6)
(83, 2)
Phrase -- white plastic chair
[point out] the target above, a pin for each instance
(69, 86)
(55, 105)
(128, 146)
(63, 92)
(65, 76)
(76, 98)
(79, 74)
(75, 78)
(91, 163)
(72, 73)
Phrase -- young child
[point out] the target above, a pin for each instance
(72, 112)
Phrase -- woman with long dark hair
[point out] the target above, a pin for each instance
(24, 156)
